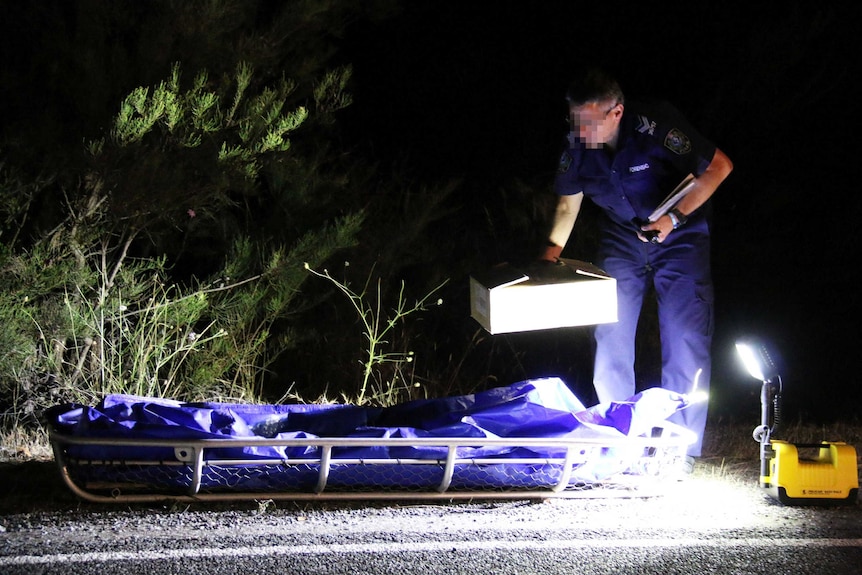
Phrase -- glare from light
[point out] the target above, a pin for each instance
(698, 396)
(751, 360)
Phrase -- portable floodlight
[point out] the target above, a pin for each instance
(827, 476)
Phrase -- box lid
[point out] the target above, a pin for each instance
(564, 271)
(501, 275)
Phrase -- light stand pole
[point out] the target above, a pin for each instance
(761, 366)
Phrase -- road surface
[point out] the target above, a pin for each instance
(713, 522)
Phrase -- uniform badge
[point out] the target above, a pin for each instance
(677, 142)
(565, 163)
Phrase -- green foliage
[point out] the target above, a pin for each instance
(181, 133)
(256, 311)
(87, 311)
(330, 94)
(168, 259)
(18, 193)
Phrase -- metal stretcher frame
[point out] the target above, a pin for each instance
(669, 440)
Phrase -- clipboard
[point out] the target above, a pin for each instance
(684, 187)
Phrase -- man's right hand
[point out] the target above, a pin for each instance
(551, 253)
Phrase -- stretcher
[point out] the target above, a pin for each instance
(530, 440)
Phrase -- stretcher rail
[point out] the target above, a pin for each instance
(325, 470)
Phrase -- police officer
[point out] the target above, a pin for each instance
(626, 158)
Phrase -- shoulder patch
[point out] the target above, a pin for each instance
(677, 142)
(565, 163)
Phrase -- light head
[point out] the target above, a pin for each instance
(757, 359)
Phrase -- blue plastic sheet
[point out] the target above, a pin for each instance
(543, 408)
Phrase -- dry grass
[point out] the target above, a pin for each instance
(734, 440)
(730, 451)
(19, 444)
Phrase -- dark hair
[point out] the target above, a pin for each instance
(591, 85)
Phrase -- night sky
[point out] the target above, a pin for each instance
(476, 89)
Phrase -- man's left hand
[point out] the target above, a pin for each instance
(657, 231)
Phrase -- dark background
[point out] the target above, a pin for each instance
(475, 89)
(472, 91)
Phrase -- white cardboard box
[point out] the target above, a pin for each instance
(507, 299)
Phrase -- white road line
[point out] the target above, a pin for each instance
(419, 547)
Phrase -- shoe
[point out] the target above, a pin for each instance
(688, 465)
(682, 468)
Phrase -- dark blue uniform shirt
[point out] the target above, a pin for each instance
(656, 149)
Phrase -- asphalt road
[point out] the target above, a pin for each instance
(714, 522)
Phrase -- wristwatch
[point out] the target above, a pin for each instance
(678, 218)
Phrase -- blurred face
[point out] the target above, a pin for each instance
(596, 123)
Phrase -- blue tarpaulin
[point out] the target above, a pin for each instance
(540, 408)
